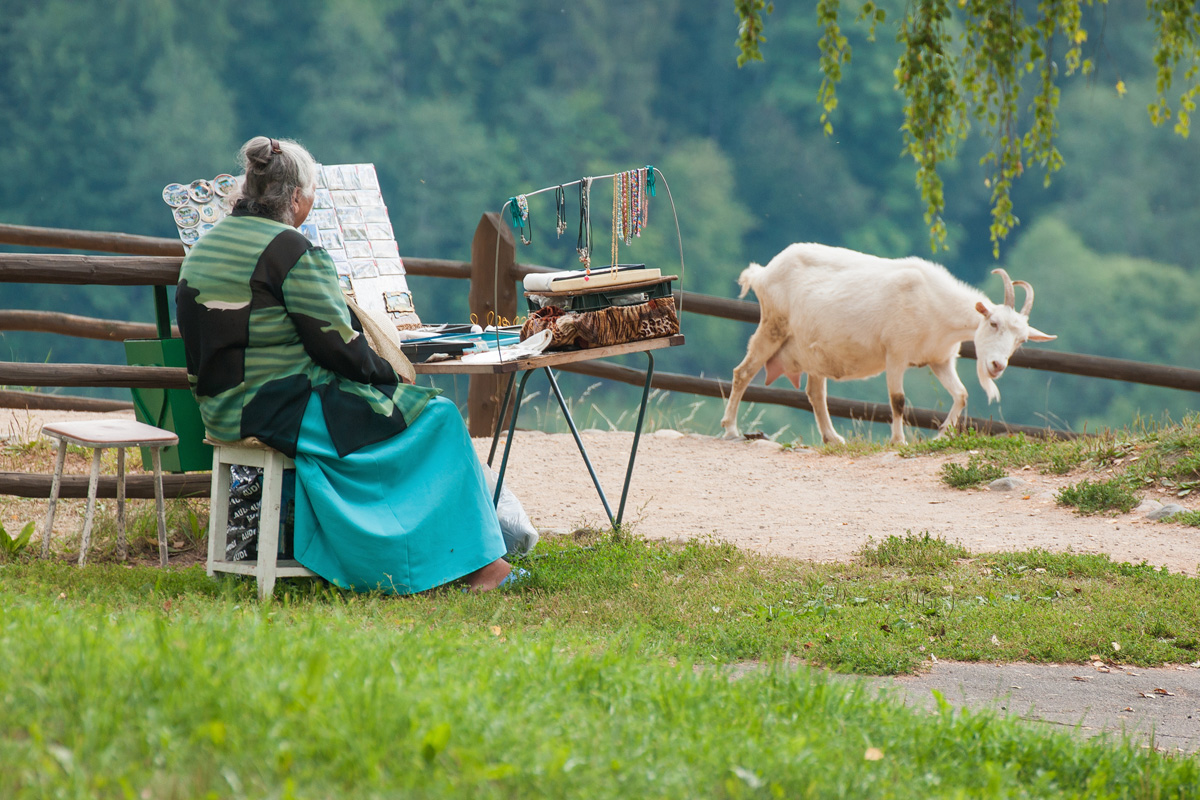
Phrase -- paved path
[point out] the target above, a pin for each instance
(1159, 706)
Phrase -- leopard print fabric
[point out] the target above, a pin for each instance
(653, 319)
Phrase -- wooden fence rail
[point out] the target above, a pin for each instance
(100, 241)
(92, 376)
(12, 398)
(493, 273)
(838, 407)
(111, 330)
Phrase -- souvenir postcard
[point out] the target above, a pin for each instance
(349, 219)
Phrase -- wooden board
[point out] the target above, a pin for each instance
(24, 484)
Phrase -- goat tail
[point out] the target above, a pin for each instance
(747, 278)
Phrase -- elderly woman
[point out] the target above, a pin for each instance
(389, 492)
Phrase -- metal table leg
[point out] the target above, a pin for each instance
(500, 419)
(637, 435)
(579, 443)
(512, 426)
(562, 403)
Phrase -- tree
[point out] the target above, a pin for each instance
(1107, 304)
(969, 62)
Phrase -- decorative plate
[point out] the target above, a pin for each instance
(224, 184)
(175, 194)
(201, 191)
(187, 216)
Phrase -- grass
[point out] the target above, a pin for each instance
(1095, 498)
(974, 473)
(1119, 466)
(1187, 518)
(587, 681)
(903, 600)
(608, 672)
(922, 553)
(329, 699)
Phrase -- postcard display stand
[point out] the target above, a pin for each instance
(348, 218)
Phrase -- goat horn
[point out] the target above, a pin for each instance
(1010, 297)
(1028, 296)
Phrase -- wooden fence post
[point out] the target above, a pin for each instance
(493, 294)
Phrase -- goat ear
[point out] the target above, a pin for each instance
(983, 309)
(1037, 336)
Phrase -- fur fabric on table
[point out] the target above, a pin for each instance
(605, 327)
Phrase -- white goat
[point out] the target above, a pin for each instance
(836, 313)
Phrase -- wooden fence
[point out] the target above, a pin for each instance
(493, 273)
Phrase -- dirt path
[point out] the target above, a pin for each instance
(802, 504)
(796, 503)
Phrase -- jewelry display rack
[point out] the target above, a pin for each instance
(528, 364)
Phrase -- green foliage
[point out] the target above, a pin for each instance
(463, 104)
(1191, 518)
(933, 111)
(1177, 25)
(1126, 314)
(750, 28)
(1099, 130)
(922, 553)
(12, 546)
(955, 70)
(975, 472)
(156, 113)
(1090, 497)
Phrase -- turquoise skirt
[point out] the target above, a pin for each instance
(400, 516)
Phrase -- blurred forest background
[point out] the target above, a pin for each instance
(463, 103)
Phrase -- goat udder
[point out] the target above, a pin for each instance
(775, 368)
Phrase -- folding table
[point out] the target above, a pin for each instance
(525, 366)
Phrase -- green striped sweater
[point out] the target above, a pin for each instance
(265, 325)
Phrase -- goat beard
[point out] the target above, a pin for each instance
(987, 383)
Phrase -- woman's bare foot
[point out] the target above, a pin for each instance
(487, 578)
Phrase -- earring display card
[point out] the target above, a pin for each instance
(349, 219)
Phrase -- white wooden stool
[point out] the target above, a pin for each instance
(100, 434)
(268, 566)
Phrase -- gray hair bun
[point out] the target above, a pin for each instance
(274, 169)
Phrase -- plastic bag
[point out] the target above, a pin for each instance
(245, 500)
(245, 507)
(515, 526)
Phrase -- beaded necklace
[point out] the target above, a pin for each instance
(616, 221)
(560, 211)
(647, 175)
(584, 243)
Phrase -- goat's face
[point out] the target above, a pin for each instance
(1001, 331)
